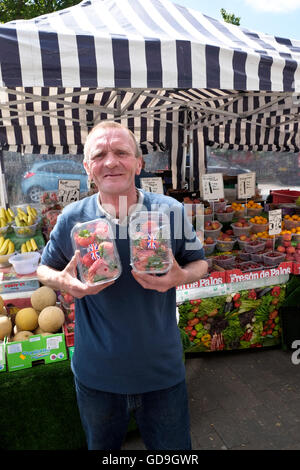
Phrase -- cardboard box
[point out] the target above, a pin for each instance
(236, 275)
(38, 348)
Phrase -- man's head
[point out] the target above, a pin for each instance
(106, 125)
(112, 159)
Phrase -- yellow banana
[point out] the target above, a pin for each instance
(2, 240)
(18, 221)
(4, 247)
(3, 213)
(33, 211)
(11, 247)
(33, 244)
(2, 222)
(23, 248)
(8, 217)
(30, 220)
(28, 245)
(11, 212)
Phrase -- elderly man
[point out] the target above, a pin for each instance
(128, 351)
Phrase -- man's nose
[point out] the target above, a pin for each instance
(111, 159)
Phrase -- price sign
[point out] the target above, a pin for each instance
(275, 218)
(246, 185)
(68, 190)
(212, 186)
(152, 185)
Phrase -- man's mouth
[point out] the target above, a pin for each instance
(113, 175)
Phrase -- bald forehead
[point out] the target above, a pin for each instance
(107, 136)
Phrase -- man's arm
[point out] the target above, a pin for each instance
(66, 280)
(176, 276)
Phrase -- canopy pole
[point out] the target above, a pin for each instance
(184, 153)
(191, 153)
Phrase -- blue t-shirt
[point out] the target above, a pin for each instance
(126, 337)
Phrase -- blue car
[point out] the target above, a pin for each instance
(43, 176)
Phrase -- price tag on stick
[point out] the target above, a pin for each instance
(152, 184)
(275, 219)
(68, 191)
(246, 185)
(212, 186)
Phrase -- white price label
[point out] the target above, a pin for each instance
(213, 186)
(275, 220)
(152, 185)
(53, 342)
(246, 185)
(68, 190)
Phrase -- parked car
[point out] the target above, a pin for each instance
(43, 176)
(221, 165)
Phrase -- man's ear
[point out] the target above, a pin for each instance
(139, 165)
(86, 167)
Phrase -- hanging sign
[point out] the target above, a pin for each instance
(212, 186)
(152, 185)
(68, 191)
(246, 185)
(275, 218)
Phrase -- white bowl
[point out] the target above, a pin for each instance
(25, 263)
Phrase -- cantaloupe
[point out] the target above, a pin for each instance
(22, 335)
(1, 303)
(5, 326)
(26, 319)
(43, 297)
(51, 319)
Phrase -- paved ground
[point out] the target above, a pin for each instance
(241, 400)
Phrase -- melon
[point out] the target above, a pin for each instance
(38, 331)
(26, 319)
(43, 297)
(22, 335)
(5, 326)
(51, 319)
(1, 303)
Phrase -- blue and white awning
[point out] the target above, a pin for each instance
(143, 44)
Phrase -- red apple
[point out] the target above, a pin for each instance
(281, 249)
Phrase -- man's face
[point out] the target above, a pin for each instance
(113, 164)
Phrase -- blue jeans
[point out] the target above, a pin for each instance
(162, 417)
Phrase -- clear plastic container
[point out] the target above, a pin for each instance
(213, 233)
(238, 231)
(224, 216)
(150, 242)
(224, 261)
(257, 257)
(253, 212)
(216, 205)
(208, 217)
(26, 230)
(3, 230)
(242, 243)
(224, 245)
(239, 214)
(248, 266)
(99, 257)
(273, 258)
(244, 256)
(209, 248)
(257, 228)
(25, 263)
(254, 246)
(289, 224)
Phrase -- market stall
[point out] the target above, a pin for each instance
(62, 73)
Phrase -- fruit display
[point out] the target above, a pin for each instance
(7, 246)
(25, 223)
(291, 221)
(245, 319)
(212, 229)
(225, 242)
(241, 227)
(253, 208)
(225, 215)
(238, 208)
(99, 259)
(150, 246)
(259, 224)
(29, 245)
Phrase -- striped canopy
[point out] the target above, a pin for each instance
(175, 76)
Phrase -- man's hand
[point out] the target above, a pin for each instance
(67, 279)
(174, 277)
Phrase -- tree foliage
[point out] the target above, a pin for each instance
(25, 9)
(230, 17)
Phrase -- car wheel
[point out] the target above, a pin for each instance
(34, 194)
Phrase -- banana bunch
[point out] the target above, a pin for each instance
(7, 247)
(29, 245)
(24, 219)
(6, 216)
